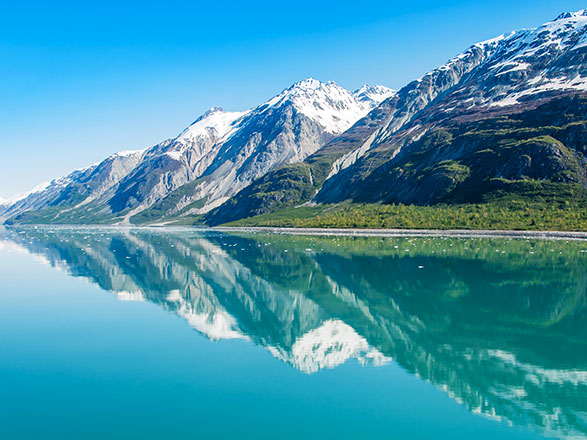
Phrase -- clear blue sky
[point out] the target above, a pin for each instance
(81, 80)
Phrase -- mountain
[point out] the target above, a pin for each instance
(285, 129)
(216, 156)
(79, 190)
(511, 109)
(505, 118)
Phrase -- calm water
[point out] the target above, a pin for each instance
(187, 334)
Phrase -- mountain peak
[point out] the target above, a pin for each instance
(373, 94)
(216, 120)
(327, 103)
(127, 153)
(308, 84)
(576, 14)
(211, 111)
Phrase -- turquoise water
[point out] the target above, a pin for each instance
(189, 334)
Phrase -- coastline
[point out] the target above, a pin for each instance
(458, 233)
(358, 232)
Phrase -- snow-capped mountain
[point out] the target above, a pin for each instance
(372, 96)
(76, 190)
(510, 74)
(514, 99)
(216, 156)
(286, 129)
(517, 101)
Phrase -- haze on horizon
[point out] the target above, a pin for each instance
(80, 82)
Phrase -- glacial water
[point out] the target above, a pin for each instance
(186, 334)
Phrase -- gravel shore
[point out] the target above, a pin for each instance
(560, 235)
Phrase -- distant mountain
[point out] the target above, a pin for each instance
(219, 154)
(509, 108)
(73, 198)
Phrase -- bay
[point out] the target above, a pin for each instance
(183, 333)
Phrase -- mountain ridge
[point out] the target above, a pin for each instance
(316, 143)
(511, 74)
(296, 122)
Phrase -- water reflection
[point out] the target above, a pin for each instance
(500, 325)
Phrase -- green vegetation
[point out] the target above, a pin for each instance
(163, 209)
(292, 184)
(285, 187)
(455, 167)
(515, 205)
(467, 161)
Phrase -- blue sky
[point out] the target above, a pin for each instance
(82, 80)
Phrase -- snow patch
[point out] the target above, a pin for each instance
(541, 85)
(215, 122)
(334, 108)
(128, 153)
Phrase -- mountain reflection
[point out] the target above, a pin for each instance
(500, 325)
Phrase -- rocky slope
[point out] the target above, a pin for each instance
(219, 154)
(508, 108)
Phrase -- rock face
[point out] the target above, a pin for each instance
(219, 154)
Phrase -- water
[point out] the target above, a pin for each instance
(186, 334)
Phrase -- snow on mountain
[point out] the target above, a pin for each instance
(222, 152)
(509, 69)
(373, 95)
(127, 153)
(37, 189)
(576, 14)
(210, 128)
(328, 104)
(531, 62)
(215, 120)
(510, 73)
(286, 129)
(217, 155)
(77, 188)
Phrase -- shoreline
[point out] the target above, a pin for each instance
(358, 232)
(458, 233)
